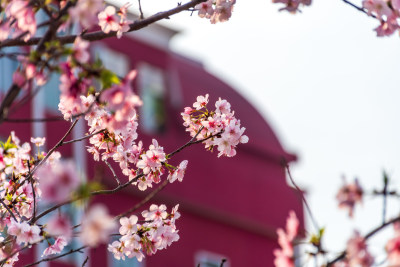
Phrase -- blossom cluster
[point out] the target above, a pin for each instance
(284, 256)
(19, 17)
(20, 191)
(349, 195)
(108, 20)
(292, 6)
(387, 12)
(15, 191)
(219, 128)
(156, 233)
(357, 253)
(216, 10)
(18, 20)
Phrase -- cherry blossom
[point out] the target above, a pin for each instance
(393, 247)
(38, 141)
(58, 181)
(349, 195)
(56, 248)
(284, 257)
(158, 232)
(219, 127)
(79, 13)
(25, 233)
(96, 226)
(59, 225)
(178, 173)
(357, 253)
(107, 20)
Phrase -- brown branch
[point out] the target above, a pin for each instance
(145, 200)
(57, 257)
(140, 10)
(24, 120)
(113, 172)
(119, 187)
(14, 90)
(361, 9)
(8, 209)
(191, 142)
(100, 35)
(94, 193)
(302, 197)
(366, 237)
(83, 138)
(60, 143)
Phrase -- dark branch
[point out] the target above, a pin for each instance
(100, 35)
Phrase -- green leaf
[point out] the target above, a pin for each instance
(108, 78)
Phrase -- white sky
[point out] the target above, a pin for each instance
(326, 84)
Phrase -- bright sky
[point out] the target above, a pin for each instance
(326, 84)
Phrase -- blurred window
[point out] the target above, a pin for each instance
(152, 92)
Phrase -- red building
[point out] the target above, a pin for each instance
(231, 207)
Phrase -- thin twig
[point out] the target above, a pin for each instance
(144, 201)
(100, 35)
(361, 9)
(384, 192)
(140, 10)
(23, 120)
(113, 172)
(191, 142)
(60, 143)
(33, 189)
(86, 260)
(94, 193)
(83, 138)
(366, 237)
(302, 197)
(8, 209)
(56, 257)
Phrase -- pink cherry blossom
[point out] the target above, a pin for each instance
(59, 225)
(128, 225)
(357, 253)
(79, 13)
(205, 9)
(284, 257)
(58, 181)
(56, 248)
(349, 195)
(201, 102)
(96, 226)
(80, 48)
(38, 141)
(107, 20)
(155, 213)
(178, 173)
(393, 247)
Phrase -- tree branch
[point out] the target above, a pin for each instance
(366, 237)
(100, 35)
(361, 9)
(57, 257)
(302, 197)
(145, 200)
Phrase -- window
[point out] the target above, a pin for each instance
(51, 92)
(112, 60)
(152, 92)
(209, 259)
